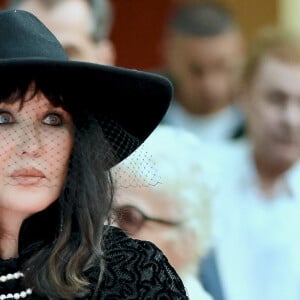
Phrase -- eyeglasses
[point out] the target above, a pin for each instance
(131, 219)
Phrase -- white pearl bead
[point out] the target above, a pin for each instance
(16, 296)
(3, 278)
(2, 297)
(9, 276)
(23, 294)
(9, 296)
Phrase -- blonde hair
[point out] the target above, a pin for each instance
(281, 43)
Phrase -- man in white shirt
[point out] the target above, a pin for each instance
(257, 215)
(202, 53)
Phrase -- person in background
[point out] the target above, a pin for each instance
(82, 26)
(60, 137)
(169, 204)
(256, 218)
(203, 48)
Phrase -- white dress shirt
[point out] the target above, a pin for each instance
(257, 236)
(215, 127)
(194, 288)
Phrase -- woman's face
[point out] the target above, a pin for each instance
(35, 146)
(156, 204)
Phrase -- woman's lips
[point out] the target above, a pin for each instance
(30, 176)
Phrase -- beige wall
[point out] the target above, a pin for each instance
(253, 14)
(289, 13)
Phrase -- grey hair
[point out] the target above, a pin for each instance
(101, 13)
(202, 19)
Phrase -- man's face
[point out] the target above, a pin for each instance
(204, 69)
(272, 108)
(70, 21)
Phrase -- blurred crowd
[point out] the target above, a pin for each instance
(217, 183)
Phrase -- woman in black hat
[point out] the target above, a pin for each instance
(63, 126)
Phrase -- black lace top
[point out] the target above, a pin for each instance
(134, 270)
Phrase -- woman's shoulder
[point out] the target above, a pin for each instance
(137, 270)
(116, 241)
(118, 245)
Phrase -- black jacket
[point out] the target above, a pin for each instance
(134, 269)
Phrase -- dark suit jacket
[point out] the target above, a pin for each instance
(209, 276)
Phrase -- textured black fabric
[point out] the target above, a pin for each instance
(134, 270)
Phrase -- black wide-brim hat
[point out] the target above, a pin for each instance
(134, 100)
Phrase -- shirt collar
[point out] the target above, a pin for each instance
(287, 184)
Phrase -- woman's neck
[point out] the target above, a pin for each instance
(10, 225)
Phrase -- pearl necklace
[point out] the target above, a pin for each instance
(7, 277)
(22, 294)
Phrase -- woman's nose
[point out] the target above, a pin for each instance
(29, 142)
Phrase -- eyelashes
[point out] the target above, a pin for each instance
(53, 119)
(50, 118)
(6, 118)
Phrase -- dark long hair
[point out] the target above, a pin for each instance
(56, 271)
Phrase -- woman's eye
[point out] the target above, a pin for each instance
(53, 120)
(6, 118)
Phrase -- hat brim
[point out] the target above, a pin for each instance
(135, 100)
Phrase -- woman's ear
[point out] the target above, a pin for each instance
(189, 247)
(106, 52)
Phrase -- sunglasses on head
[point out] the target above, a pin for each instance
(131, 219)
